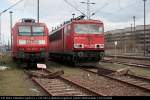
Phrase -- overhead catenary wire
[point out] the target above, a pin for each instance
(75, 3)
(74, 7)
(106, 4)
(11, 6)
(99, 9)
(130, 5)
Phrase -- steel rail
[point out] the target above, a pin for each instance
(73, 83)
(83, 90)
(123, 81)
(128, 64)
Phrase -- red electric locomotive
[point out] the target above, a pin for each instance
(78, 40)
(30, 41)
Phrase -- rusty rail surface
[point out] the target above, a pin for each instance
(132, 80)
(61, 86)
(131, 57)
(146, 66)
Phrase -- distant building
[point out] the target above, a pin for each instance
(128, 40)
(4, 48)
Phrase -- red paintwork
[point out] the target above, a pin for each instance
(32, 46)
(66, 44)
(89, 41)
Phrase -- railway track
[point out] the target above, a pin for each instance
(129, 57)
(61, 86)
(146, 66)
(136, 81)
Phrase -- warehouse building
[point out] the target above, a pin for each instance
(130, 41)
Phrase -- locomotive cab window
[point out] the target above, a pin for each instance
(38, 30)
(24, 30)
(88, 29)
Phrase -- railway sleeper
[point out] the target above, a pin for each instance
(73, 93)
(59, 85)
(121, 72)
(50, 75)
(63, 91)
(57, 88)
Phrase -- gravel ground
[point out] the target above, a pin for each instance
(100, 84)
(106, 86)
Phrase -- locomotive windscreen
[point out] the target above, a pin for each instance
(88, 29)
(38, 30)
(24, 30)
(31, 30)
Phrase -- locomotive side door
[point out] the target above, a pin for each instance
(67, 38)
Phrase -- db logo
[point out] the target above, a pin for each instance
(89, 39)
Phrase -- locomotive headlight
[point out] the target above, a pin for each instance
(99, 45)
(78, 45)
(22, 42)
(42, 42)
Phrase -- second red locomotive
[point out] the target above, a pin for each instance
(78, 41)
(30, 41)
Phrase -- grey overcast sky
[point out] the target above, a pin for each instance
(116, 14)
